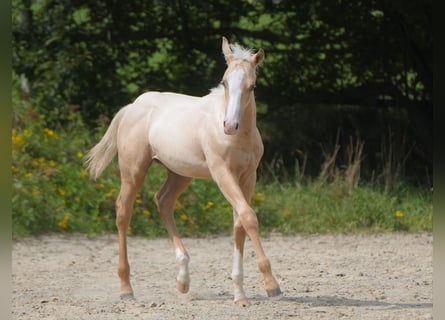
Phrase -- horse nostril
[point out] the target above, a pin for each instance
(224, 123)
(237, 126)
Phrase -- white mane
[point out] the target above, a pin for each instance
(218, 88)
(238, 52)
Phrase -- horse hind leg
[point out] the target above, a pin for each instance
(165, 200)
(133, 168)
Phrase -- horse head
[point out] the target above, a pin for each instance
(239, 82)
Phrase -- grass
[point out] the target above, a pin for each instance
(52, 193)
(323, 208)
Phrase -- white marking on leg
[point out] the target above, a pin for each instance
(238, 275)
(183, 261)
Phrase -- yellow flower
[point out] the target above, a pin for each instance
(209, 205)
(138, 201)
(28, 175)
(35, 190)
(287, 212)
(258, 197)
(83, 173)
(399, 214)
(183, 217)
(64, 222)
(146, 212)
(61, 191)
(111, 193)
(49, 133)
(79, 154)
(16, 138)
(178, 205)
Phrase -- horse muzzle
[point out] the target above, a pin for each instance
(231, 127)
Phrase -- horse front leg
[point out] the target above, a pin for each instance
(165, 200)
(249, 222)
(236, 193)
(238, 269)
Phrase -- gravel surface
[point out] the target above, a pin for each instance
(383, 276)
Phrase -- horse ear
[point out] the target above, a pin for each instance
(226, 49)
(258, 57)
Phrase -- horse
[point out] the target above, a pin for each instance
(214, 136)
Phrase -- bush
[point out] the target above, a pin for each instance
(51, 189)
(52, 192)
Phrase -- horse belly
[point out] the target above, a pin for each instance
(180, 154)
(175, 130)
(183, 167)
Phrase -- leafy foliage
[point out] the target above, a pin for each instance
(52, 193)
(364, 68)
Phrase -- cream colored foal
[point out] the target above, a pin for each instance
(214, 136)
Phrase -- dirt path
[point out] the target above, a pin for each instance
(323, 277)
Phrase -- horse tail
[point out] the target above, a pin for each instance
(98, 158)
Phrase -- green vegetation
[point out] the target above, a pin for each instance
(315, 208)
(361, 68)
(52, 192)
(344, 107)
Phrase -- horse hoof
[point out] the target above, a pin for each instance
(242, 302)
(127, 296)
(183, 288)
(274, 293)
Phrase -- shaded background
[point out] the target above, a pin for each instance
(338, 76)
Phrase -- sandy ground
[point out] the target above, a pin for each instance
(323, 277)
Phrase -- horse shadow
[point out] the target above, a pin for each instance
(319, 301)
(333, 301)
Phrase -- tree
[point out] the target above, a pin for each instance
(362, 67)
